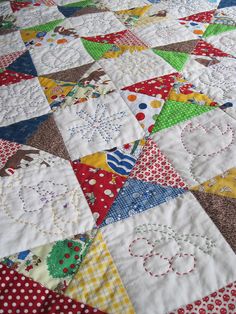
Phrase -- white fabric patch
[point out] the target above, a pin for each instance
(164, 33)
(96, 125)
(5, 8)
(32, 16)
(39, 205)
(124, 4)
(11, 43)
(22, 101)
(200, 148)
(225, 41)
(169, 249)
(53, 59)
(218, 81)
(135, 67)
(96, 24)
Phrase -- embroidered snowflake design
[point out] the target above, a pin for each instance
(101, 124)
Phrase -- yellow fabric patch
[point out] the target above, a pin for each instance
(55, 89)
(175, 94)
(223, 185)
(122, 49)
(98, 283)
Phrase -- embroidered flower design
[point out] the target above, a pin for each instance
(100, 124)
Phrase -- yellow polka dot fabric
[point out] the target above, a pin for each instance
(98, 283)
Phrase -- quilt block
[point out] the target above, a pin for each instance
(117, 156)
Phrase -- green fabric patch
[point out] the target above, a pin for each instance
(80, 4)
(174, 112)
(215, 29)
(64, 258)
(176, 59)
(96, 50)
(47, 27)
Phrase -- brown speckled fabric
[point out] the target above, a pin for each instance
(222, 211)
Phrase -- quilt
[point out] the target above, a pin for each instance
(118, 156)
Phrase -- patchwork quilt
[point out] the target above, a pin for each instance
(118, 156)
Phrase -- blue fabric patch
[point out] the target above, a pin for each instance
(119, 162)
(19, 132)
(226, 3)
(68, 11)
(22, 255)
(137, 196)
(23, 64)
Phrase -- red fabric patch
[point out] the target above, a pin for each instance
(205, 49)
(153, 166)
(203, 17)
(222, 301)
(100, 188)
(155, 86)
(10, 77)
(107, 39)
(7, 149)
(20, 294)
(16, 6)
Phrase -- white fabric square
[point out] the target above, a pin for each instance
(22, 101)
(32, 16)
(96, 125)
(124, 4)
(200, 148)
(41, 204)
(96, 24)
(218, 81)
(5, 8)
(135, 67)
(170, 255)
(164, 33)
(61, 57)
(11, 43)
(225, 41)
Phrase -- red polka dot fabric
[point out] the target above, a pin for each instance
(152, 166)
(20, 294)
(222, 301)
(100, 188)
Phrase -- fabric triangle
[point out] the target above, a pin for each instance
(203, 17)
(185, 91)
(183, 46)
(98, 283)
(23, 64)
(19, 132)
(174, 112)
(107, 38)
(155, 86)
(99, 187)
(88, 10)
(215, 29)
(68, 11)
(226, 4)
(8, 77)
(70, 75)
(137, 196)
(205, 49)
(5, 62)
(222, 185)
(55, 91)
(7, 149)
(176, 59)
(207, 62)
(35, 293)
(144, 107)
(96, 50)
(222, 211)
(80, 4)
(153, 166)
(52, 259)
(48, 138)
(47, 27)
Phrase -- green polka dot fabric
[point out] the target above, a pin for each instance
(174, 112)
